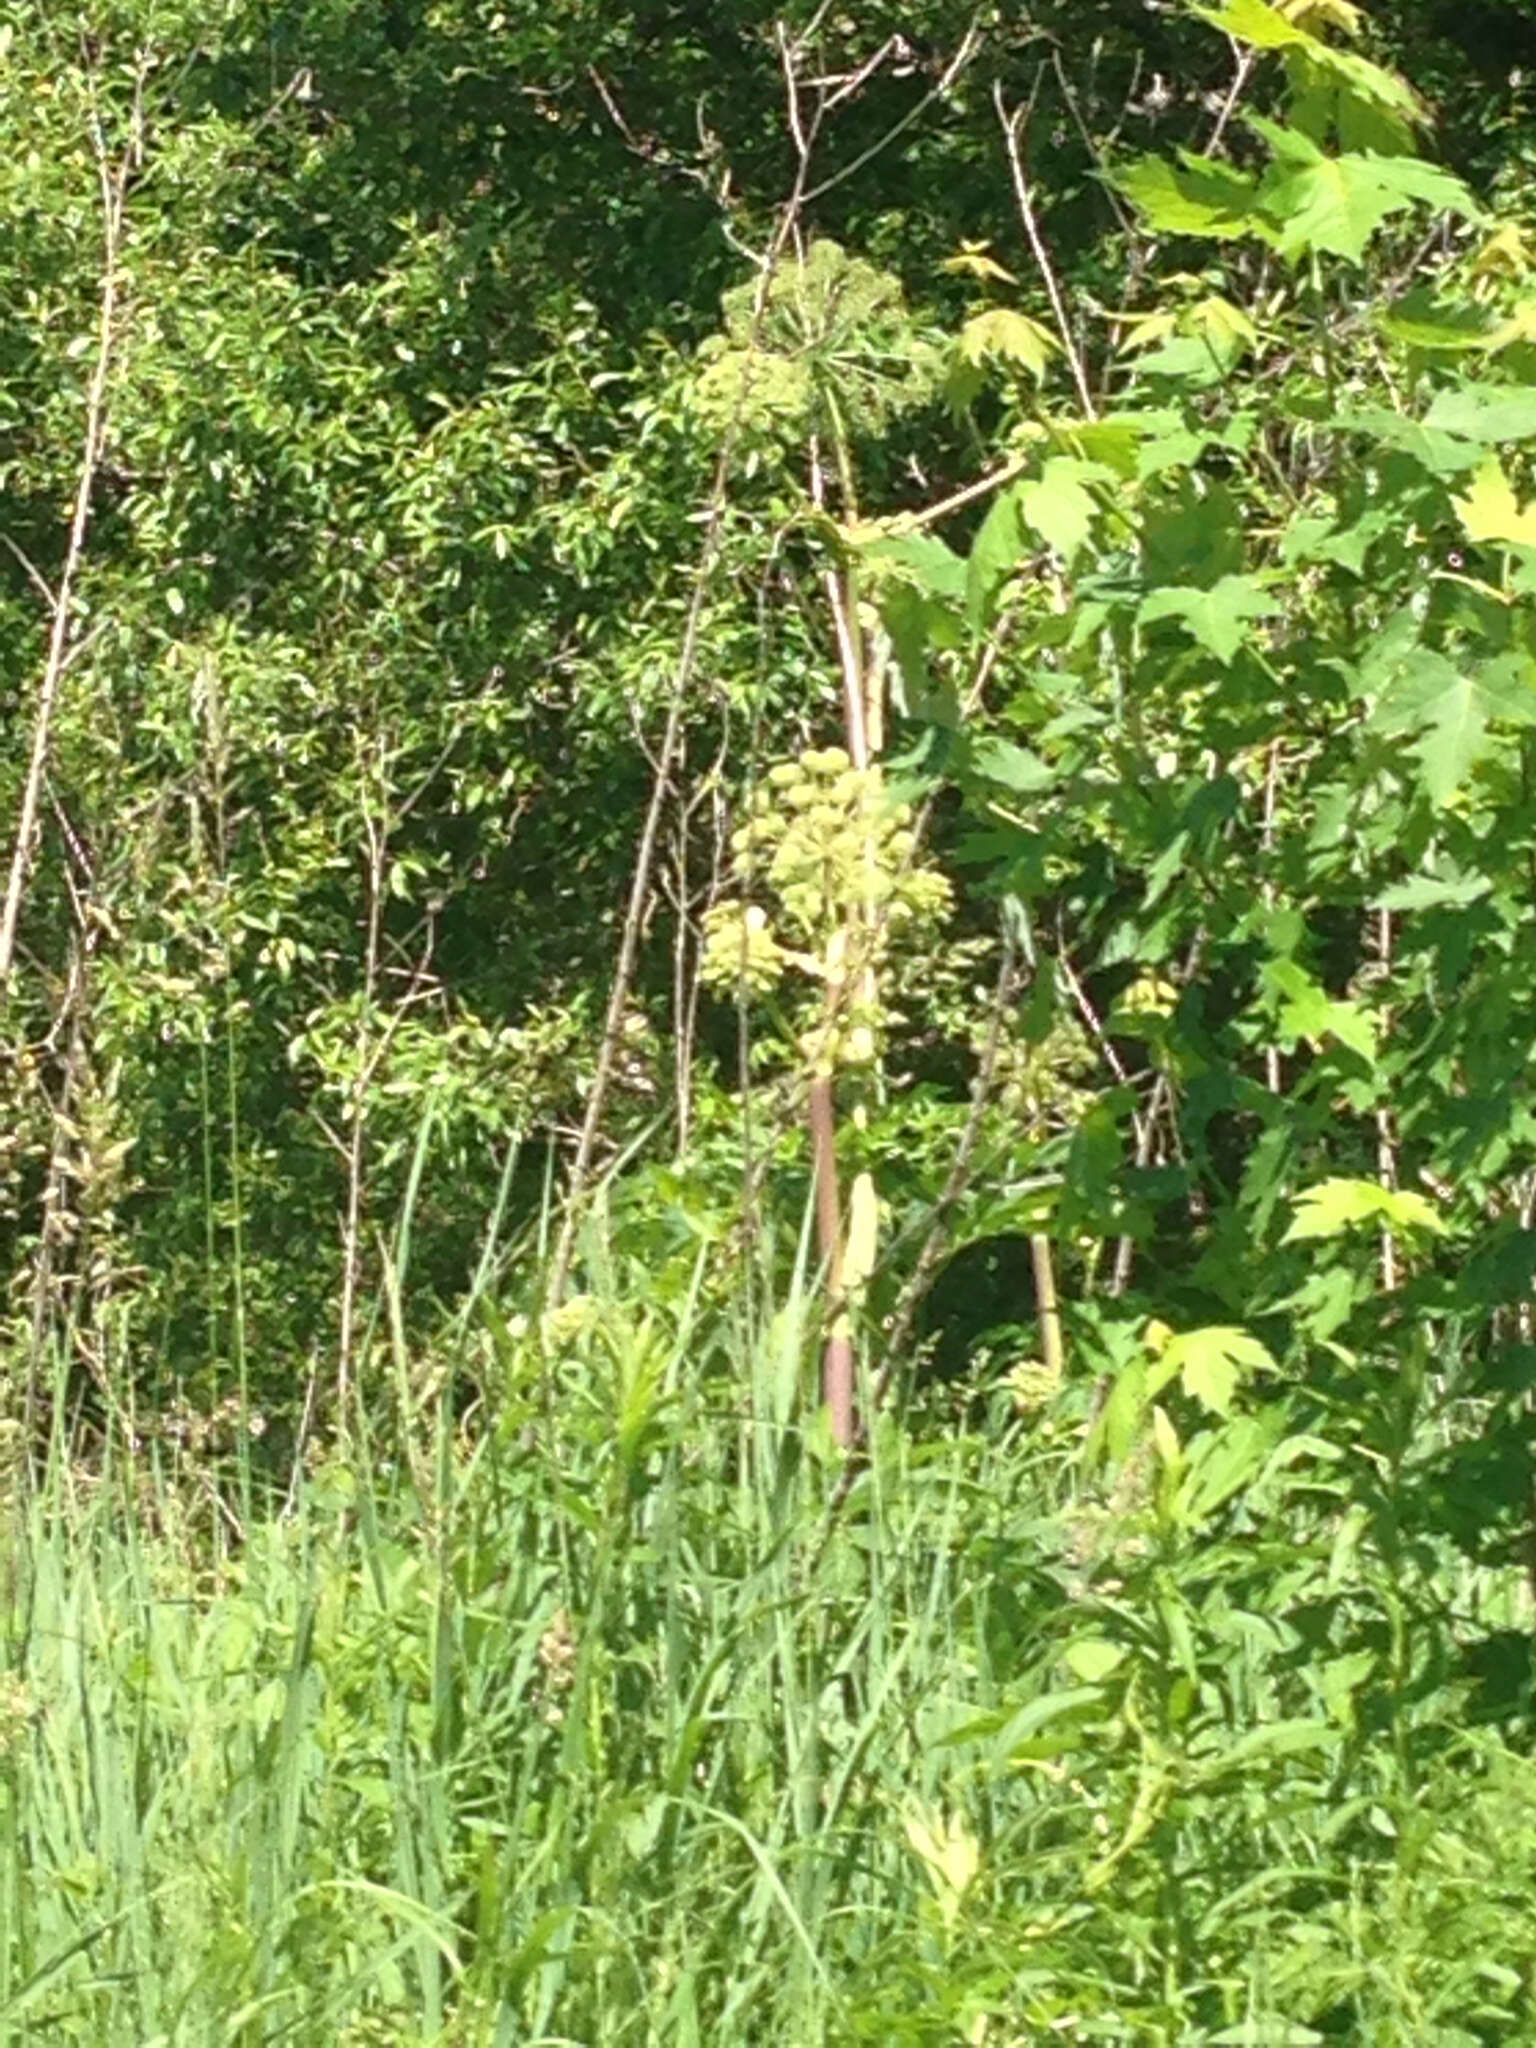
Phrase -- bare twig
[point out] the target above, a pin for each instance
(1013, 126)
(33, 574)
(1246, 59)
(1273, 1078)
(113, 182)
(1090, 142)
(969, 44)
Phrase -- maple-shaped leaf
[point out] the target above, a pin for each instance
(1306, 1011)
(1219, 618)
(1490, 511)
(1258, 23)
(1436, 450)
(1011, 767)
(1191, 197)
(1338, 202)
(1451, 709)
(1334, 1206)
(1210, 1363)
(1447, 888)
(919, 559)
(974, 259)
(1058, 504)
(1002, 335)
(1353, 79)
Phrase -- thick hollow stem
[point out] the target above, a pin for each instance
(1047, 1306)
(837, 1356)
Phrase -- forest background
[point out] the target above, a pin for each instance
(767, 1179)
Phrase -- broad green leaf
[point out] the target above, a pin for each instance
(1307, 1013)
(1491, 512)
(1012, 767)
(1338, 203)
(1058, 504)
(1335, 1206)
(1193, 537)
(1441, 453)
(1115, 440)
(1257, 23)
(1225, 328)
(995, 554)
(1210, 1363)
(1451, 710)
(1486, 413)
(1449, 890)
(1219, 618)
(1313, 539)
(1312, 60)
(1191, 197)
(918, 559)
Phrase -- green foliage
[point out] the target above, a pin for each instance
(399, 1654)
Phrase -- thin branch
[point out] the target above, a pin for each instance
(1013, 126)
(1386, 1137)
(33, 574)
(970, 43)
(1246, 59)
(114, 185)
(1273, 1074)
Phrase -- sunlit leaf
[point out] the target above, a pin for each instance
(1211, 1364)
(1335, 1206)
(1337, 204)
(1490, 510)
(1219, 618)
(1059, 505)
(1452, 708)
(1191, 197)
(1002, 335)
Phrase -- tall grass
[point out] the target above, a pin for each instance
(558, 1713)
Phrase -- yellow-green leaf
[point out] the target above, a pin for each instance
(1335, 1206)
(1490, 510)
(1002, 335)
